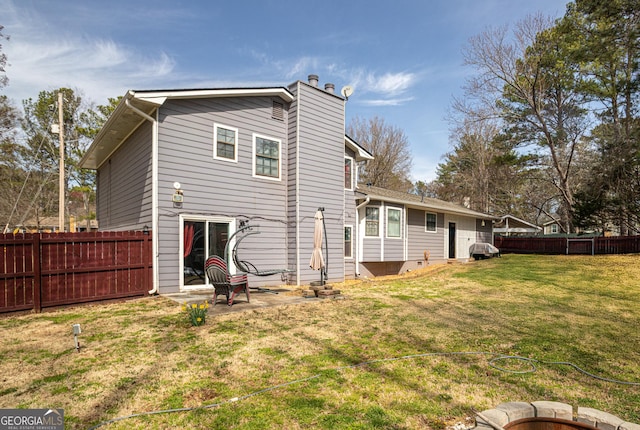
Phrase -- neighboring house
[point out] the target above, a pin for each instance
(551, 227)
(193, 166)
(510, 225)
(400, 231)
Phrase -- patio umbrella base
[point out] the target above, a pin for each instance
(318, 283)
(322, 291)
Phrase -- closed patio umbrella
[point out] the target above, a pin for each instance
(317, 259)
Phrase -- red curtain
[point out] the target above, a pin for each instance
(189, 230)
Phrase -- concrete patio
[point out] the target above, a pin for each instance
(259, 298)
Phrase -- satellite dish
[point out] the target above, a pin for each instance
(347, 91)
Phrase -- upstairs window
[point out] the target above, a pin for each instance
(394, 222)
(430, 222)
(372, 223)
(348, 173)
(225, 143)
(266, 157)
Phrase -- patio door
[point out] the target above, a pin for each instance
(201, 239)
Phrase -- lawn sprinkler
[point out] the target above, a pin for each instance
(76, 332)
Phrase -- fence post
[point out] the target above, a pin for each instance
(37, 273)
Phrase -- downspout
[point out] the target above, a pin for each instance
(298, 188)
(154, 191)
(360, 206)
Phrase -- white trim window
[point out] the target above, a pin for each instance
(394, 223)
(267, 157)
(372, 221)
(430, 222)
(225, 143)
(348, 241)
(348, 173)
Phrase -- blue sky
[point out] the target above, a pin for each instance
(403, 57)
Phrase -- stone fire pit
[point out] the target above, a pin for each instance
(544, 415)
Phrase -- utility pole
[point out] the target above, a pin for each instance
(61, 183)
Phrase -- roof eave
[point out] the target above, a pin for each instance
(361, 153)
(520, 221)
(161, 96)
(92, 159)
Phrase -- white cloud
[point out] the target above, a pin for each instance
(301, 66)
(43, 59)
(389, 88)
(392, 83)
(386, 102)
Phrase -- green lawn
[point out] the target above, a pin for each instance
(408, 352)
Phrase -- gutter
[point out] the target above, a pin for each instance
(360, 206)
(154, 190)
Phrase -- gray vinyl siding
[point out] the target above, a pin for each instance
(465, 234)
(220, 188)
(421, 241)
(372, 249)
(317, 139)
(484, 233)
(124, 184)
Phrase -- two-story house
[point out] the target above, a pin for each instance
(193, 165)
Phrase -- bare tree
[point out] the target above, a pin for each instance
(390, 147)
(525, 81)
(482, 170)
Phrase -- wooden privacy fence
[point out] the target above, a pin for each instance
(43, 270)
(571, 245)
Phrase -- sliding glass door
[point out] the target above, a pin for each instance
(202, 238)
